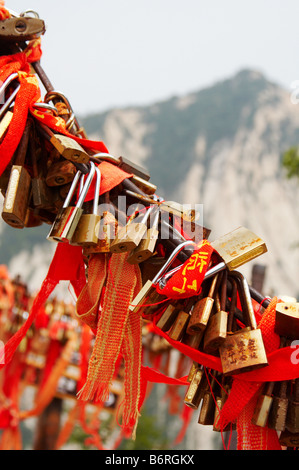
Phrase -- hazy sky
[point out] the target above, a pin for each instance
(114, 53)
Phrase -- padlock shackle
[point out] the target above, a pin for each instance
(86, 186)
(246, 297)
(11, 98)
(72, 190)
(97, 190)
(172, 257)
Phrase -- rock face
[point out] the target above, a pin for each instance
(220, 147)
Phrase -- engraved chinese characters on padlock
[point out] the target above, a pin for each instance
(68, 218)
(19, 186)
(87, 229)
(243, 350)
(239, 247)
(148, 294)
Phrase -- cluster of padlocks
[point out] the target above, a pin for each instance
(53, 179)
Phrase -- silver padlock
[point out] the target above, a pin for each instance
(67, 219)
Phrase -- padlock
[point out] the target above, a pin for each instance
(124, 164)
(201, 311)
(239, 247)
(263, 406)
(220, 399)
(179, 326)
(68, 218)
(216, 330)
(148, 294)
(244, 350)
(129, 236)
(19, 186)
(292, 422)
(168, 316)
(87, 230)
(193, 394)
(21, 29)
(31, 219)
(146, 247)
(42, 197)
(289, 439)
(287, 320)
(207, 411)
(193, 341)
(60, 172)
(278, 412)
(69, 148)
(235, 248)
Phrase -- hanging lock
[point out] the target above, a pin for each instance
(202, 309)
(69, 216)
(148, 293)
(244, 350)
(19, 186)
(287, 320)
(129, 236)
(146, 247)
(239, 247)
(215, 332)
(21, 29)
(87, 230)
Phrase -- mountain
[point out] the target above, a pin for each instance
(220, 147)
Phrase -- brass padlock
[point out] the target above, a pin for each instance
(68, 218)
(129, 236)
(146, 247)
(244, 350)
(239, 247)
(207, 411)
(292, 422)
(278, 412)
(220, 399)
(263, 406)
(168, 317)
(289, 439)
(60, 172)
(287, 320)
(148, 294)
(193, 394)
(87, 230)
(69, 148)
(179, 326)
(42, 197)
(215, 333)
(201, 311)
(107, 233)
(19, 186)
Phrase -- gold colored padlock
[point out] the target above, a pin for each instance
(87, 230)
(67, 219)
(19, 186)
(244, 350)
